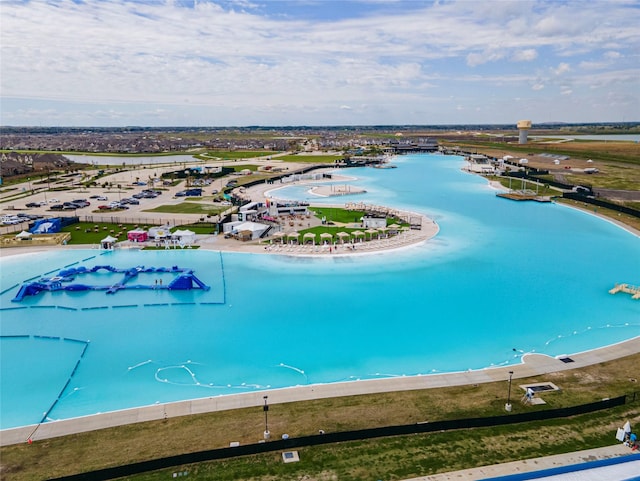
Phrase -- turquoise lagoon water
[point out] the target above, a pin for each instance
(501, 278)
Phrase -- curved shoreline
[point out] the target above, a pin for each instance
(531, 364)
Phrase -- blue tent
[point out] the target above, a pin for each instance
(46, 226)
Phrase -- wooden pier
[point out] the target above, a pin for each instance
(633, 290)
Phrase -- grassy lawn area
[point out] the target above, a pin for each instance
(94, 232)
(314, 159)
(200, 227)
(385, 458)
(336, 214)
(406, 457)
(344, 216)
(189, 207)
(611, 176)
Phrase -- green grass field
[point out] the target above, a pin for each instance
(188, 207)
(94, 232)
(313, 159)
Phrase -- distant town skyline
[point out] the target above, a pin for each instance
(317, 62)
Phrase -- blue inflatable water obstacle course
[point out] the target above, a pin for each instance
(64, 281)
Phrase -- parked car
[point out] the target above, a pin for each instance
(10, 220)
(33, 204)
(98, 197)
(56, 207)
(189, 193)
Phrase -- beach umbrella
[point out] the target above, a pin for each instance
(523, 161)
(627, 427)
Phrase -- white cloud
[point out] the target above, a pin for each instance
(239, 64)
(474, 59)
(526, 55)
(562, 68)
(537, 86)
(612, 55)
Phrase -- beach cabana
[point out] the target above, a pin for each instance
(371, 233)
(342, 235)
(393, 229)
(108, 242)
(326, 238)
(279, 236)
(137, 235)
(358, 234)
(309, 236)
(293, 236)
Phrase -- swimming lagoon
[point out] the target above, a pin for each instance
(500, 279)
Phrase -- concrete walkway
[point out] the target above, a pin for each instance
(538, 464)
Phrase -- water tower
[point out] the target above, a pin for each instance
(523, 127)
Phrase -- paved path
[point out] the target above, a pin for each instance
(537, 464)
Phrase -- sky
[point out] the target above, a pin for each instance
(317, 62)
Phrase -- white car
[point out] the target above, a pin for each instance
(101, 197)
(10, 220)
(53, 201)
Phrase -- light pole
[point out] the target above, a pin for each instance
(507, 406)
(265, 408)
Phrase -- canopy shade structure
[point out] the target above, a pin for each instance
(23, 235)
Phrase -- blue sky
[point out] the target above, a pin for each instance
(312, 62)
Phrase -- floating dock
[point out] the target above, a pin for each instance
(628, 289)
(184, 280)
